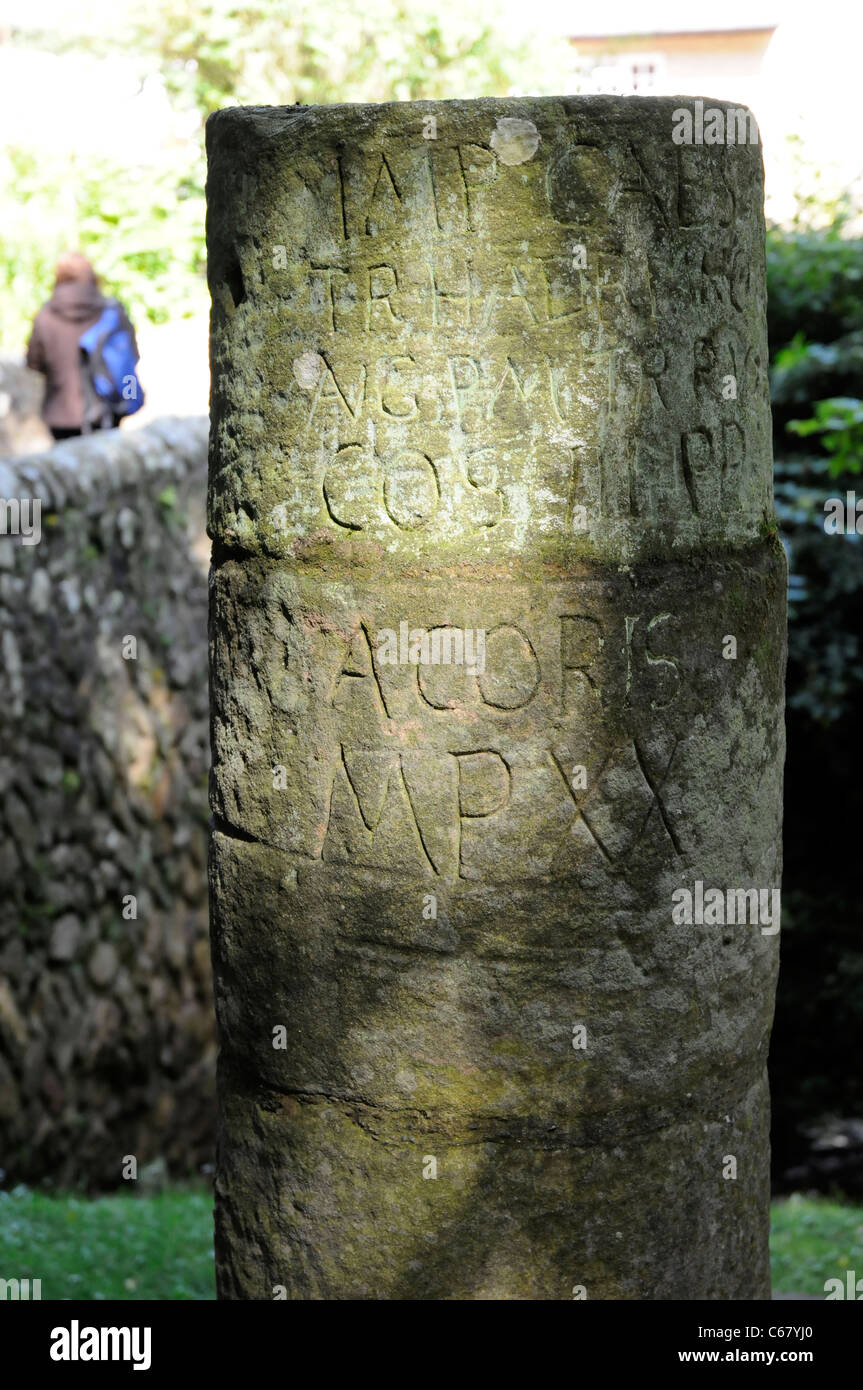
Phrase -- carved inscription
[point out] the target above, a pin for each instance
(459, 345)
(433, 766)
(448, 814)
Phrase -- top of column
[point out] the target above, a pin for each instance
(505, 331)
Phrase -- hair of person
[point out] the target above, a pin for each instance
(72, 265)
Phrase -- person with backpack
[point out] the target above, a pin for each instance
(85, 347)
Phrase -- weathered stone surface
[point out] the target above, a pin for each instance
(508, 379)
(65, 936)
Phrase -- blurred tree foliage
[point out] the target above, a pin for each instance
(144, 224)
(225, 52)
(140, 226)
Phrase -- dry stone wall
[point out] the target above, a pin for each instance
(106, 1033)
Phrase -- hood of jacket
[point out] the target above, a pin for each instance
(76, 301)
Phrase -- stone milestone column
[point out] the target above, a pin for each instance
(497, 653)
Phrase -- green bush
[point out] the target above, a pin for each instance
(815, 282)
(815, 312)
(815, 287)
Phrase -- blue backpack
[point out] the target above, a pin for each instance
(109, 360)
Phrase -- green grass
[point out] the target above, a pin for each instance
(814, 1239)
(124, 1247)
(161, 1247)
